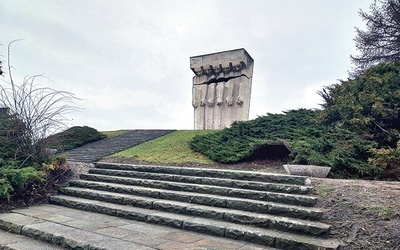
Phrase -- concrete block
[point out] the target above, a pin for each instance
(221, 88)
(307, 170)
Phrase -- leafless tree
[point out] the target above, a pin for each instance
(380, 42)
(36, 111)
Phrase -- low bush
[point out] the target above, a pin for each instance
(29, 180)
(14, 178)
(388, 161)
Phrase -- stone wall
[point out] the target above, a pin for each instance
(221, 88)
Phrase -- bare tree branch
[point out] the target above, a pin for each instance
(380, 42)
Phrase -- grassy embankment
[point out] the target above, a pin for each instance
(171, 148)
(114, 133)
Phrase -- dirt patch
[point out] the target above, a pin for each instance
(363, 214)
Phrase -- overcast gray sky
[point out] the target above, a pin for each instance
(129, 59)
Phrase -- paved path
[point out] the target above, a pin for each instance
(94, 151)
(104, 232)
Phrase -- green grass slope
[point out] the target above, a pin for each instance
(171, 148)
(74, 137)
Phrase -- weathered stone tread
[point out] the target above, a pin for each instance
(266, 237)
(215, 173)
(223, 214)
(11, 241)
(307, 213)
(218, 201)
(253, 185)
(199, 193)
(65, 236)
(180, 186)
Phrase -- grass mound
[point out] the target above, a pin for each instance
(74, 137)
(170, 148)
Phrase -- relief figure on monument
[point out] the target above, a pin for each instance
(208, 70)
(227, 70)
(229, 92)
(220, 93)
(211, 95)
(196, 95)
(243, 86)
(238, 67)
(203, 91)
(218, 71)
(199, 95)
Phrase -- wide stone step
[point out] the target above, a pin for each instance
(65, 236)
(10, 241)
(254, 185)
(199, 193)
(180, 186)
(300, 212)
(230, 215)
(267, 237)
(214, 173)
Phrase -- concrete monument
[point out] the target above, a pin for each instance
(221, 88)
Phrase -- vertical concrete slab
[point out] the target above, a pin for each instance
(221, 88)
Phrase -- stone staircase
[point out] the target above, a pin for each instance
(271, 210)
(94, 151)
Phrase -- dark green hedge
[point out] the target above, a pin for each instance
(368, 104)
(310, 142)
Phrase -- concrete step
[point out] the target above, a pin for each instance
(65, 237)
(269, 209)
(305, 213)
(230, 215)
(267, 237)
(213, 173)
(142, 233)
(212, 195)
(254, 185)
(183, 186)
(11, 241)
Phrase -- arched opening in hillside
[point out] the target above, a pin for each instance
(275, 151)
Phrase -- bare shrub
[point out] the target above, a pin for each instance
(35, 111)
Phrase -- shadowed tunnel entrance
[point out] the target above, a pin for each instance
(278, 150)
